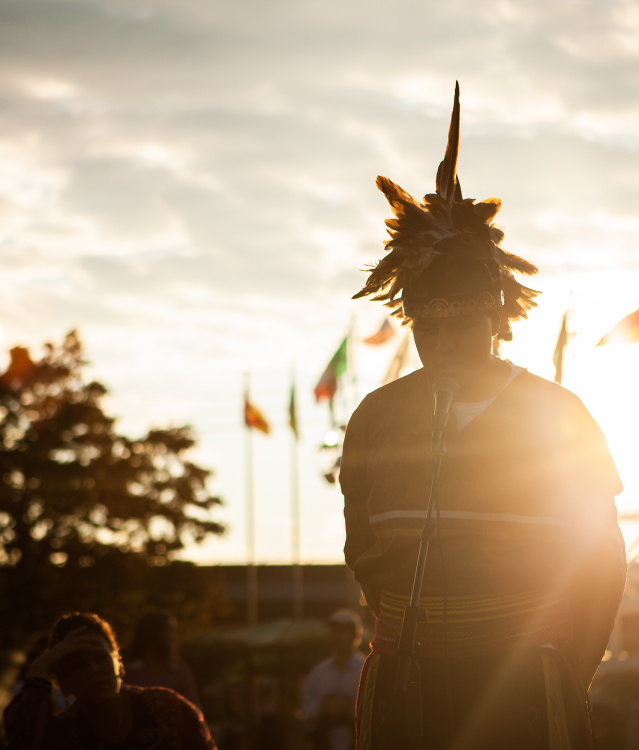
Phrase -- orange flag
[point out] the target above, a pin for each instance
(253, 417)
(385, 333)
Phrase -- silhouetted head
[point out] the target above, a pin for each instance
(94, 623)
(346, 629)
(450, 288)
(444, 255)
(92, 670)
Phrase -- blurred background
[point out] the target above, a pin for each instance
(190, 187)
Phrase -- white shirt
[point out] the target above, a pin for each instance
(326, 677)
(466, 411)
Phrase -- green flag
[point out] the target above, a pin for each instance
(327, 385)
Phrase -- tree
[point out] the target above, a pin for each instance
(73, 491)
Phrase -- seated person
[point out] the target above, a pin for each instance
(154, 659)
(84, 660)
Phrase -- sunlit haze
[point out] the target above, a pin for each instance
(192, 187)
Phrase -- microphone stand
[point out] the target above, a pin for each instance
(408, 647)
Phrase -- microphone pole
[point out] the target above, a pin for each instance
(444, 392)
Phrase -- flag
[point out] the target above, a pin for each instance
(292, 413)
(327, 385)
(254, 418)
(625, 331)
(385, 333)
(399, 361)
(558, 354)
(20, 369)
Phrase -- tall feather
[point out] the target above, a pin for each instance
(446, 181)
(445, 223)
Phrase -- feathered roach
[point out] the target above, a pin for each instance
(445, 223)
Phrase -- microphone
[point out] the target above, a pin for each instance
(444, 391)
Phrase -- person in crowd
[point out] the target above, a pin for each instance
(154, 659)
(36, 646)
(525, 565)
(330, 690)
(83, 659)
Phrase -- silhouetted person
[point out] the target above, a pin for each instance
(154, 659)
(84, 660)
(330, 689)
(526, 563)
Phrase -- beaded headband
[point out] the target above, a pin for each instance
(440, 307)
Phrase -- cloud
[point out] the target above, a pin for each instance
(192, 184)
(248, 142)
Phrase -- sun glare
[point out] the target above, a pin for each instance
(603, 377)
(605, 380)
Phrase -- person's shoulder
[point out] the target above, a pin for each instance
(173, 712)
(542, 402)
(164, 701)
(321, 666)
(396, 391)
(538, 388)
(156, 695)
(389, 406)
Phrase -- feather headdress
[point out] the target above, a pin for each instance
(448, 225)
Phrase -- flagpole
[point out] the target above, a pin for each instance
(328, 387)
(560, 348)
(251, 570)
(399, 361)
(298, 583)
(352, 367)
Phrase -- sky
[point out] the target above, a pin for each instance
(191, 185)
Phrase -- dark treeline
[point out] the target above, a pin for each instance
(90, 518)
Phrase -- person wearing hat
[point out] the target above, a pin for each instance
(330, 690)
(526, 564)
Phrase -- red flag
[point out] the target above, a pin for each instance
(253, 417)
(385, 333)
(327, 385)
(625, 331)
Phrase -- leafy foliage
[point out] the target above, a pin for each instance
(72, 490)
